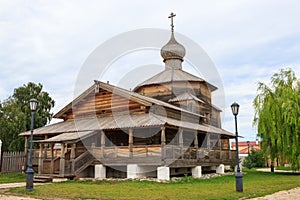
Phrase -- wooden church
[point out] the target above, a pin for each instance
(167, 126)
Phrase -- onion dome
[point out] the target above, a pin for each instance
(172, 50)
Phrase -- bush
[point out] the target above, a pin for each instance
(255, 159)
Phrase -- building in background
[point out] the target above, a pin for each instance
(246, 147)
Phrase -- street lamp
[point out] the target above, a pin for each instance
(29, 172)
(248, 143)
(238, 175)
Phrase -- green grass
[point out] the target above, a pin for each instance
(12, 178)
(284, 168)
(255, 184)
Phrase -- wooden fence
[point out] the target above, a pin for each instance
(12, 162)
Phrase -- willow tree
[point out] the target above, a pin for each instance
(277, 117)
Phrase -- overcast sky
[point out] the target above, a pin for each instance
(48, 41)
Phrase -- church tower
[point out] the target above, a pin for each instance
(178, 87)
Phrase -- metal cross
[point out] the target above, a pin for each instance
(172, 15)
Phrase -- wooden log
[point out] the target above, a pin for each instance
(40, 166)
(130, 142)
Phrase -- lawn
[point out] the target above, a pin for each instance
(284, 168)
(12, 178)
(255, 184)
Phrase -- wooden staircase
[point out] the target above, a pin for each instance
(82, 162)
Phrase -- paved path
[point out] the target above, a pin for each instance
(282, 171)
(12, 185)
(282, 195)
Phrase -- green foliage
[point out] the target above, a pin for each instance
(15, 114)
(277, 116)
(255, 159)
(186, 179)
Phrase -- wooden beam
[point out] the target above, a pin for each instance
(102, 142)
(72, 157)
(26, 149)
(45, 147)
(196, 139)
(52, 159)
(130, 141)
(180, 138)
(163, 136)
(208, 140)
(62, 161)
(163, 142)
(40, 167)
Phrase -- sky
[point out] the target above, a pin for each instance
(49, 42)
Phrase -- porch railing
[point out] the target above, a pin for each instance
(168, 152)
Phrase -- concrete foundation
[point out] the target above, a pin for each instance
(220, 169)
(197, 172)
(163, 173)
(133, 171)
(140, 171)
(100, 172)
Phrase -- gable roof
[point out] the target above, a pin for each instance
(173, 75)
(144, 100)
(68, 137)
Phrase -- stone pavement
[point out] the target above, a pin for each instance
(282, 195)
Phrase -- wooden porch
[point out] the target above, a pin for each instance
(68, 165)
(159, 146)
(158, 155)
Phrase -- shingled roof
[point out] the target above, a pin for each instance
(173, 75)
(86, 126)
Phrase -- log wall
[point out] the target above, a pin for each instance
(104, 103)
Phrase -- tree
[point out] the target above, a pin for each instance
(277, 117)
(15, 114)
(254, 159)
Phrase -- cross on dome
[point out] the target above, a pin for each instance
(172, 15)
(173, 52)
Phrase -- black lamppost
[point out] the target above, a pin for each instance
(29, 172)
(238, 175)
(248, 143)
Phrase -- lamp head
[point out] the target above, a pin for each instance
(33, 104)
(235, 108)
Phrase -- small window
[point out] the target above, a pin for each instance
(191, 106)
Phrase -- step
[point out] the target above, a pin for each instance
(42, 179)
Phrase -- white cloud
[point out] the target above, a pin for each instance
(48, 41)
